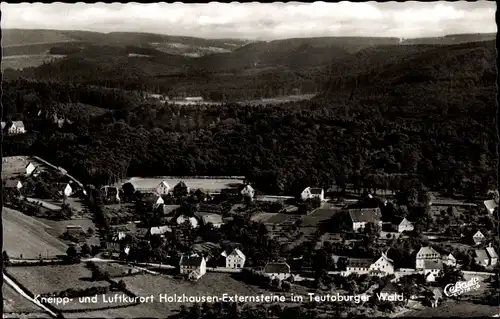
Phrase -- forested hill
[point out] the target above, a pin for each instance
(430, 113)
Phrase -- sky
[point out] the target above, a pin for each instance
(260, 21)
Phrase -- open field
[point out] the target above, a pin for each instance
(54, 278)
(208, 185)
(14, 302)
(27, 236)
(455, 309)
(116, 270)
(280, 99)
(262, 217)
(76, 203)
(18, 62)
(13, 165)
(58, 227)
(320, 215)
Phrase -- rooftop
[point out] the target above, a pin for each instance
(366, 215)
(277, 268)
(191, 261)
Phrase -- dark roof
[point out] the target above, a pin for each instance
(150, 198)
(390, 288)
(11, 183)
(431, 264)
(181, 184)
(397, 220)
(277, 268)
(191, 261)
(365, 214)
(360, 262)
(316, 191)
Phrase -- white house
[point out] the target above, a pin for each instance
(13, 183)
(153, 199)
(383, 265)
(449, 260)
(190, 264)
(162, 189)
(65, 189)
(310, 193)
(209, 218)
(277, 270)
(492, 254)
(183, 218)
(426, 254)
(115, 243)
(160, 230)
(478, 237)
(360, 217)
(236, 259)
(248, 191)
(194, 98)
(29, 169)
(16, 127)
(490, 205)
(432, 269)
(401, 224)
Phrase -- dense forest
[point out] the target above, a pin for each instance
(426, 113)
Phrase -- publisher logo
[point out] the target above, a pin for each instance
(461, 287)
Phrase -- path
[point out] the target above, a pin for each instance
(14, 286)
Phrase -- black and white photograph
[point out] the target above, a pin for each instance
(255, 160)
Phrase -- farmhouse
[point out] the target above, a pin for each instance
(490, 205)
(114, 244)
(426, 254)
(160, 230)
(247, 191)
(162, 189)
(193, 266)
(208, 218)
(478, 238)
(235, 259)
(15, 127)
(181, 189)
(486, 257)
(152, 199)
(13, 184)
(432, 269)
(310, 193)
(29, 169)
(382, 266)
(360, 217)
(64, 189)
(401, 224)
(277, 270)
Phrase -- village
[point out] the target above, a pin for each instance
(188, 228)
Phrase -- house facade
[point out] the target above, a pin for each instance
(162, 189)
(153, 199)
(236, 259)
(478, 238)
(277, 270)
(362, 266)
(486, 257)
(426, 254)
(248, 191)
(383, 265)
(29, 169)
(402, 224)
(65, 189)
(214, 219)
(492, 254)
(311, 193)
(490, 205)
(110, 194)
(449, 260)
(189, 264)
(360, 217)
(432, 269)
(16, 127)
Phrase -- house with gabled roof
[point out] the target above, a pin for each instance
(432, 269)
(311, 193)
(162, 189)
(426, 254)
(152, 199)
(234, 259)
(247, 191)
(160, 230)
(13, 184)
(279, 270)
(384, 265)
(15, 127)
(360, 217)
(435, 296)
(478, 238)
(487, 257)
(64, 189)
(193, 266)
(449, 260)
(358, 265)
(490, 205)
(29, 169)
(110, 194)
(401, 224)
(209, 218)
(492, 254)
